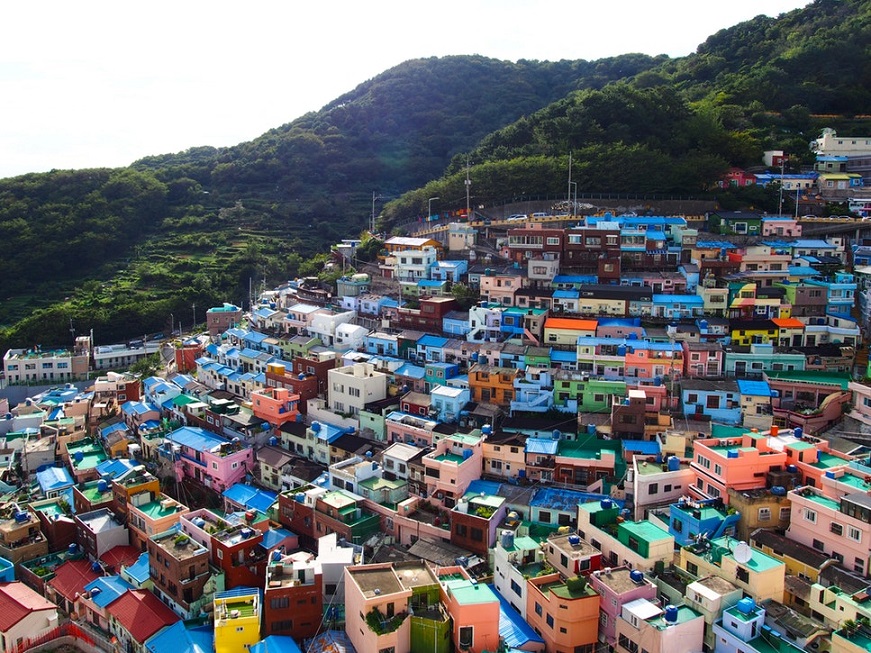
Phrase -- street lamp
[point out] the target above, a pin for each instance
(429, 207)
(171, 325)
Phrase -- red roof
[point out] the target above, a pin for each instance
(71, 577)
(141, 614)
(17, 601)
(120, 556)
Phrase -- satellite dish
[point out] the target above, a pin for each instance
(742, 553)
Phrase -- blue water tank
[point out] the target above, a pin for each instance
(703, 325)
(574, 540)
(78, 456)
(797, 432)
(475, 356)
(657, 381)
(746, 605)
(606, 504)
(621, 350)
(199, 522)
(300, 497)
(467, 453)
(671, 614)
(636, 576)
(301, 376)
(276, 556)
(316, 426)
(792, 469)
(273, 441)
(22, 516)
(95, 566)
(830, 474)
(673, 463)
(102, 485)
(732, 453)
(486, 429)
(557, 434)
(73, 548)
(507, 539)
(633, 336)
(778, 491)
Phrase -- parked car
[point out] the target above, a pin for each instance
(516, 217)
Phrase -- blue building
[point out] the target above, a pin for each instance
(689, 520)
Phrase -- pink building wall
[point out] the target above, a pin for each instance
(611, 602)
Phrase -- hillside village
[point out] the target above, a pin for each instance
(646, 433)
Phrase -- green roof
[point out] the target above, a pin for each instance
(758, 562)
(645, 530)
(468, 593)
(823, 501)
(827, 460)
(840, 379)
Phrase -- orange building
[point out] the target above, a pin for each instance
(474, 609)
(275, 405)
(565, 331)
(564, 612)
(492, 384)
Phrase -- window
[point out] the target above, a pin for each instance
(819, 546)
(859, 565)
(538, 609)
(544, 517)
(549, 620)
(742, 575)
(718, 470)
(785, 514)
(627, 644)
(280, 602)
(515, 587)
(467, 636)
(653, 488)
(854, 534)
(764, 514)
(810, 515)
(836, 528)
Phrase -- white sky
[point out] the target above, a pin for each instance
(97, 83)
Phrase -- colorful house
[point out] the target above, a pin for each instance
(209, 459)
(564, 611)
(136, 616)
(24, 615)
(618, 586)
(237, 614)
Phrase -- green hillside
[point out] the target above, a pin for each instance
(118, 251)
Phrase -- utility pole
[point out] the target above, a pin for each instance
(195, 314)
(372, 223)
(468, 188)
(569, 195)
(72, 330)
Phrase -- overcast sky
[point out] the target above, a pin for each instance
(95, 83)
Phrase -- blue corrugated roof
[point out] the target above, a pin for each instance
(513, 630)
(411, 371)
(563, 356)
(754, 388)
(178, 638)
(432, 341)
(542, 446)
(196, 438)
(487, 487)
(557, 499)
(250, 496)
(139, 571)
(274, 537)
(644, 447)
(275, 644)
(679, 299)
(113, 468)
(566, 294)
(108, 588)
(54, 478)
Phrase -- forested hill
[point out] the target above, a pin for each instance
(195, 228)
(769, 83)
